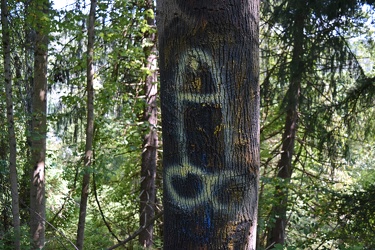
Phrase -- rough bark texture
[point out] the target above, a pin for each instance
(284, 166)
(89, 127)
(210, 109)
(39, 127)
(10, 120)
(150, 143)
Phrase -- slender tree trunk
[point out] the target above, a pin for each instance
(89, 127)
(150, 142)
(210, 115)
(4, 222)
(11, 133)
(25, 80)
(39, 127)
(277, 232)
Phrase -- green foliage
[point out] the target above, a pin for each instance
(356, 217)
(281, 247)
(119, 63)
(7, 239)
(333, 116)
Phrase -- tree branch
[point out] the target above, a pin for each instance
(101, 211)
(136, 233)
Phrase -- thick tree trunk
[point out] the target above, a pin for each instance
(39, 127)
(210, 109)
(11, 133)
(150, 143)
(89, 127)
(277, 231)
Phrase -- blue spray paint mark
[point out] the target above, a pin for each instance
(207, 224)
(199, 228)
(204, 160)
(207, 217)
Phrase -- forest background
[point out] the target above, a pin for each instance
(317, 70)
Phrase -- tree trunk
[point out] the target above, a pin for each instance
(210, 109)
(4, 182)
(10, 120)
(277, 232)
(150, 142)
(89, 127)
(39, 127)
(24, 67)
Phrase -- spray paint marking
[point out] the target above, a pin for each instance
(190, 186)
(210, 189)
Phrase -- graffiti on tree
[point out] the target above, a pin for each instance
(191, 187)
(201, 178)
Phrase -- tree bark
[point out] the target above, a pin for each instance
(150, 142)
(24, 66)
(89, 127)
(10, 120)
(209, 70)
(39, 127)
(277, 231)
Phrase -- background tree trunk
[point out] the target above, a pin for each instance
(150, 142)
(210, 104)
(10, 120)
(89, 127)
(39, 126)
(5, 220)
(24, 65)
(285, 168)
